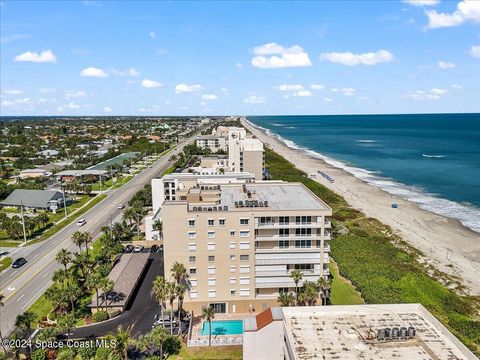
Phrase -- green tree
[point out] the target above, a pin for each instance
(159, 340)
(1, 336)
(171, 295)
(24, 322)
(159, 289)
(64, 257)
(286, 299)
(77, 239)
(180, 290)
(208, 314)
(179, 272)
(106, 285)
(123, 338)
(297, 276)
(66, 323)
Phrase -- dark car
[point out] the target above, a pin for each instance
(154, 248)
(3, 253)
(128, 248)
(161, 247)
(19, 262)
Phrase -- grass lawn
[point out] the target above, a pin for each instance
(168, 171)
(122, 181)
(6, 243)
(105, 185)
(4, 263)
(209, 353)
(41, 308)
(343, 292)
(383, 267)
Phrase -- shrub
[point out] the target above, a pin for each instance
(100, 315)
(38, 354)
(102, 353)
(114, 313)
(87, 352)
(66, 354)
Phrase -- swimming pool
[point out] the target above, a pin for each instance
(223, 327)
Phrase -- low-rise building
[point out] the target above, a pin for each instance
(212, 142)
(350, 332)
(36, 199)
(33, 173)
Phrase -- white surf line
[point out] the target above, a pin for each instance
(34, 296)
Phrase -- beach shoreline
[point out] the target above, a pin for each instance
(447, 244)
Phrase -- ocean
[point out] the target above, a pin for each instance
(430, 159)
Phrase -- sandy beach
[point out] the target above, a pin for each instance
(447, 244)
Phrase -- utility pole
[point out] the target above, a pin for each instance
(65, 204)
(23, 223)
(100, 184)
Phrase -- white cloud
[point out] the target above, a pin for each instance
(239, 65)
(147, 83)
(71, 94)
(467, 10)
(107, 109)
(303, 93)
(60, 109)
(128, 72)
(345, 91)
(72, 106)
(47, 90)
(433, 94)
(274, 56)
(12, 92)
(209, 97)
(93, 72)
(445, 65)
(422, 2)
(22, 101)
(184, 88)
(328, 99)
(475, 51)
(351, 59)
(252, 99)
(46, 56)
(457, 87)
(317, 86)
(224, 89)
(289, 87)
(7, 103)
(152, 34)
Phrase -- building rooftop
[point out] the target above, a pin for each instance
(81, 172)
(31, 198)
(352, 332)
(274, 195)
(237, 175)
(119, 159)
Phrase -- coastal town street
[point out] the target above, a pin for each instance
(21, 287)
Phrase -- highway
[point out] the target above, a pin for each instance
(22, 287)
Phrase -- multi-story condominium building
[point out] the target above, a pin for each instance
(212, 142)
(240, 242)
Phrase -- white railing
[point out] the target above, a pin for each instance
(285, 272)
(289, 237)
(221, 341)
(291, 260)
(328, 224)
(274, 225)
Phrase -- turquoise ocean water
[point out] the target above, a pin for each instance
(430, 159)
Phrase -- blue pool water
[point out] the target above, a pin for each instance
(223, 327)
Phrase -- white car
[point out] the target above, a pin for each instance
(81, 222)
(121, 206)
(138, 248)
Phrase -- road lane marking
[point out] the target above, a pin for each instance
(20, 298)
(34, 296)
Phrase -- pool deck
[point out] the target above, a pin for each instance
(197, 328)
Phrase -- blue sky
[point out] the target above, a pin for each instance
(251, 57)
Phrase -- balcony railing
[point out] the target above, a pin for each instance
(290, 260)
(290, 237)
(286, 272)
(328, 224)
(275, 224)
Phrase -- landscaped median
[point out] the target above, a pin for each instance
(5, 263)
(381, 265)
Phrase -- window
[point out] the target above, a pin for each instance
(192, 247)
(192, 258)
(193, 282)
(211, 246)
(244, 234)
(283, 244)
(221, 222)
(191, 222)
(233, 281)
(193, 294)
(303, 220)
(245, 269)
(211, 222)
(265, 220)
(233, 269)
(244, 292)
(211, 270)
(303, 232)
(244, 221)
(284, 220)
(212, 293)
(193, 271)
(300, 267)
(283, 290)
(244, 257)
(244, 245)
(211, 234)
(232, 257)
(233, 292)
(232, 232)
(244, 281)
(232, 245)
(211, 282)
(211, 258)
(303, 243)
(284, 232)
(192, 235)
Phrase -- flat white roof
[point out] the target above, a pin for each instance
(349, 332)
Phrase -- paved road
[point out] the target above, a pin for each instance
(21, 287)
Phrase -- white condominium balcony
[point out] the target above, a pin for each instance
(290, 224)
(291, 260)
(286, 272)
(291, 237)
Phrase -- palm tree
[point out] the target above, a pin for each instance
(208, 314)
(67, 323)
(117, 231)
(64, 257)
(179, 272)
(158, 226)
(24, 322)
(72, 292)
(154, 340)
(61, 276)
(159, 289)
(323, 285)
(87, 238)
(296, 275)
(286, 299)
(82, 262)
(171, 294)
(1, 337)
(77, 239)
(57, 297)
(123, 338)
(106, 286)
(180, 290)
(310, 291)
(94, 282)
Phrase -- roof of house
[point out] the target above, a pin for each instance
(26, 171)
(119, 159)
(31, 198)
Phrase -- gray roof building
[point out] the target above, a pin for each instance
(35, 199)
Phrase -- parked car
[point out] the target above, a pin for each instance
(161, 248)
(19, 263)
(121, 206)
(138, 248)
(154, 248)
(3, 253)
(81, 222)
(128, 248)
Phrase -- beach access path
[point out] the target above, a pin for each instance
(446, 243)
